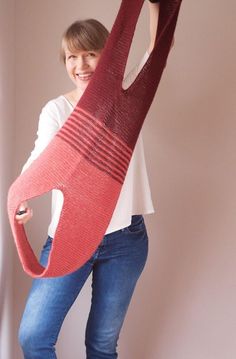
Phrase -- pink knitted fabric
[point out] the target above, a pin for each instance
(88, 158)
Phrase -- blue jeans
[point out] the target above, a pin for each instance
(116, 266)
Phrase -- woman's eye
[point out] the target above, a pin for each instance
(91, 54)
(71, 57)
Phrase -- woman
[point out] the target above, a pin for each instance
(119, 260)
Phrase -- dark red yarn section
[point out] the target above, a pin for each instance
(88, 158)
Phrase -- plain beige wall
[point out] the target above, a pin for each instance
(184, 304)
(7, 112)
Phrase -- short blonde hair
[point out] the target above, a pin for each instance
(85, 35)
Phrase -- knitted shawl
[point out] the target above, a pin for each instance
(89, 156)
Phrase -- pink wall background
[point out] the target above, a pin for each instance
(7, 133)
(184, 304)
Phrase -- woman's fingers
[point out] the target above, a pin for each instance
(24, 214)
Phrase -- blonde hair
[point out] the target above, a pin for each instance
(85, 35)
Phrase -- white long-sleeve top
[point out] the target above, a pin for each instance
(135, 195)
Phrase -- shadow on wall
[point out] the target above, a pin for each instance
(3, 277)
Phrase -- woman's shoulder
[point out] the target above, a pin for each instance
(57, 103)
(57, 108)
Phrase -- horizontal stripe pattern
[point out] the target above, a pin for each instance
(93, 140)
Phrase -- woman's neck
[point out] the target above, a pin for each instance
(74, 96)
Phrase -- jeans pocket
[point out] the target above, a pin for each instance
(45, 251)
(137, 225)
(48, 243)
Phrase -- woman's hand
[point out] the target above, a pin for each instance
(27, 213)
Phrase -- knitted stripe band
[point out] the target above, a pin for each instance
(89, 156)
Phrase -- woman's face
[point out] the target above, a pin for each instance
(80, 66)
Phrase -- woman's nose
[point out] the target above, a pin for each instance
(81, 63)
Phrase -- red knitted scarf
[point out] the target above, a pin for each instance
(89, 156)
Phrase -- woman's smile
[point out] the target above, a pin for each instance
(86, 76)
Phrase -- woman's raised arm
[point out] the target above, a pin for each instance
(154, 7)
(153, 15)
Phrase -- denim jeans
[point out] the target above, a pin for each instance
(116, 266)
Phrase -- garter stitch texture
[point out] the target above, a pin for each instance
(89, 156)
